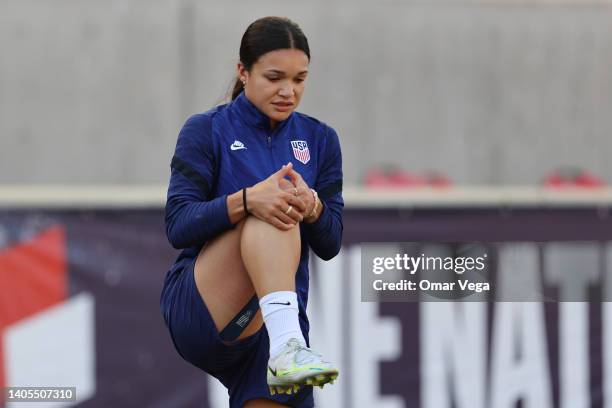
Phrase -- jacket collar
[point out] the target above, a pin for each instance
(251, 115)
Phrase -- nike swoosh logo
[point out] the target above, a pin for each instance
(280, 303)
(272, 371)
(232, 147)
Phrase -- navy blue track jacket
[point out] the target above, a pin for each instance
(231, 147)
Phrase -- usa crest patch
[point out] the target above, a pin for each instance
(300, 150)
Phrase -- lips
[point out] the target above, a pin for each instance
(282, 106)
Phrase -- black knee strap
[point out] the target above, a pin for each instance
(241, 321)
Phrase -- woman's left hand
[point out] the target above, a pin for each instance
(298, 187)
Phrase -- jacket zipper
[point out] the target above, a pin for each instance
(269, 137)
(270, 152)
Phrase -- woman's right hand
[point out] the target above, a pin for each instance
(267, 201)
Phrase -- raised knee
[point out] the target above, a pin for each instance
(256, 227)
(254, 222)
(259, 228)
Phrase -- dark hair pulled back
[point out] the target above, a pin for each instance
(268, 34)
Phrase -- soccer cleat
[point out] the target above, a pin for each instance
(298, 365)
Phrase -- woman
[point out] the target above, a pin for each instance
(241, 206)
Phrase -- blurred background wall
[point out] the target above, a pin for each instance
(486, 92)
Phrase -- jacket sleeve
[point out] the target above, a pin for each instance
(192, 216)
(325, 234)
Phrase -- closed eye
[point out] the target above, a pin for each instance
(275, 79)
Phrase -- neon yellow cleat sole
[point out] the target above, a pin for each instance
(318, 380)
(284, 389)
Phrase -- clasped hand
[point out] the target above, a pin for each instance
(280, 202)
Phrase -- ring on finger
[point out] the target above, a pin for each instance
(289, 210)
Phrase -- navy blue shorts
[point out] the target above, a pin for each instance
(241, 366)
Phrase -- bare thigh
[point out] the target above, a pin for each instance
(223, 282)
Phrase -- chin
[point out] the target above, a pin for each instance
(280, 117)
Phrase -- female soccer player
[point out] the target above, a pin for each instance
(254, 185)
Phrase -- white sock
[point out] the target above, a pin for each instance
(280, 314)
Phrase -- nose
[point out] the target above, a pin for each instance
(286, 90)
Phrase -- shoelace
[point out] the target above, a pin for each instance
(301, 353)
(304, 355)
(301, 347)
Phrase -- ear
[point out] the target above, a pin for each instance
(241, 71)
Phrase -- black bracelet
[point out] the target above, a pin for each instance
(246, 210)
